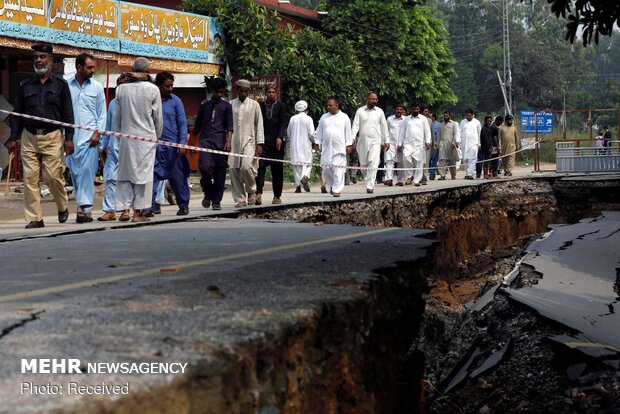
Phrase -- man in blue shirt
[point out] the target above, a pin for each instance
(89, 108)
(171, 163)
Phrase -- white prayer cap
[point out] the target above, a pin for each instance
(301, 106)
(244, 83)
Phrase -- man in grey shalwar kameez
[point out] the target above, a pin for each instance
(138, 112)
(248, 139)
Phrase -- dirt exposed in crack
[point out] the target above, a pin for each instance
(483, 231)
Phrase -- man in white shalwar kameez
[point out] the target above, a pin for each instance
(138, 112)
(392, 155)
(470, 142)
(248, 139)
(370, 122)
(300, 133)
(89, 110)
(415, 139)
(334, 137)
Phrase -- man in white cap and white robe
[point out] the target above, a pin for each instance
(334, 136)
(300, 133)
(248, 139)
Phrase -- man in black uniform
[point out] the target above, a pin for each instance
(274, 124)
(494, 167)
(486, 145)
(45, 95)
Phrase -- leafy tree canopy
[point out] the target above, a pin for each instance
(402, 49)
(312, 67)
(591, 17)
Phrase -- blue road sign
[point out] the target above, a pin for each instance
(527, 119)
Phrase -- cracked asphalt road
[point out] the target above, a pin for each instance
(173, 293)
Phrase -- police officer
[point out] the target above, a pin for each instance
(45, 95)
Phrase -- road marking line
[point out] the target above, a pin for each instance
(132, 275)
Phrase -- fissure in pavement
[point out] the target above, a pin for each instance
(481, 231)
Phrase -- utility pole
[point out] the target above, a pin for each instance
(507, 70)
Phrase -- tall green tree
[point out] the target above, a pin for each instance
(254, 42)
(402, 48)
(320, 68)
(312, 67)
(545, 68)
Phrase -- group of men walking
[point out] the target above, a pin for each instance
(133, 169)
(240, 131)
(417, 144)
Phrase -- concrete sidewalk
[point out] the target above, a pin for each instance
(13, 228)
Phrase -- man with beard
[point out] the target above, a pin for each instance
(138, 112)
(44, 95)
(509, 141)
(274, 123)
(214, 125)
(449, 141)
(89, 110)
(334, 137)
(370, 122)
(414, 142)
(248, 139)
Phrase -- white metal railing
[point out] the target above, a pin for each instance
(587, 159)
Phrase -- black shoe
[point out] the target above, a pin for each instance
(82, 218)
(442, 178)
(323, 189)
(147, 213)
(298, 189)
(62, 217)
(183, 212)
(305, 184)
(400, 184)
(369, 191)
(157, 209)
(37, 224)
(424, 183)
(354, 180)
(217, 206)
(206, 203)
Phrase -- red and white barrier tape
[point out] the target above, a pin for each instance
(212, 151)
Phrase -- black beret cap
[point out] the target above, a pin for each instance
(43, 47)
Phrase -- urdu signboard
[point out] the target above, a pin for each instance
(113, 26)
